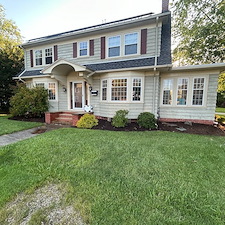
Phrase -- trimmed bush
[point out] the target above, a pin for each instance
(220, 119)
(120, 119)
(87, 121)
(147, 120)
(29, 102)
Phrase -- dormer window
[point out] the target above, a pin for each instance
(114, 46)
(83, 48)
(131, 42)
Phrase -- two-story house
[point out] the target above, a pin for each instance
(125, 64)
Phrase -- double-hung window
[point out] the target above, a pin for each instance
(43, 56)
(48, 56)
(83, 48)
(136, 85)
(198, 91)
(131, 41)
(38, 57)
(114, 46)
(104, 90)
(167, 91)
(119, 90)
(182, 91)
(51, 88)
(51, 91)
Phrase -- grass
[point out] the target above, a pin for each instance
(124, 178)
(10, 126)
(220, 110)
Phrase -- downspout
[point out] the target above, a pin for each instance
(155, 65)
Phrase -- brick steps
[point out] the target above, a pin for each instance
(64, 118)
(67, 118)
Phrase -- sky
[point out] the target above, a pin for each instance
(38, 18)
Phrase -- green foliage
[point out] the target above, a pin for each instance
(120, 119)
(87, 121)
(199, 30)
(29, 102)
(220, 99)
(11, 58)
(147, 120)
(220, 119)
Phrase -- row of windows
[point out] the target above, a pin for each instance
(186, 94)
(43, 56)
(115, 44)
(122, 89)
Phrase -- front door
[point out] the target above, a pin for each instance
(78, 95)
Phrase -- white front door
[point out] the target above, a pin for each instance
(78, 95)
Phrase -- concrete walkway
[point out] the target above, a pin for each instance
(7, 139)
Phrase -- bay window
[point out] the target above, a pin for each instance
(119, 90)
(104, 90)
(136, 89)
(126, 89)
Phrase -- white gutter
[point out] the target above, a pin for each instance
(155, 65)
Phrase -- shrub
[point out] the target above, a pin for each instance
(87, 121)
(29, 102)
(120, 119)
(220, 119)
(147, 120)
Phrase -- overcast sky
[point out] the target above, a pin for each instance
(37, 18)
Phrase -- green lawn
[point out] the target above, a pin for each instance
(218, 110)
(123, 178)
(10, 126)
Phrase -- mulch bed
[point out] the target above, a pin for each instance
(190, 128)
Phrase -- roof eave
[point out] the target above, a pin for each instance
(83, 32)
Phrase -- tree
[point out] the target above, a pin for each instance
(199, 30)
(11, 58)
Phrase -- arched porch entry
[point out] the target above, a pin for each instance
(73, 85)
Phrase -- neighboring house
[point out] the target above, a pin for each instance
(124, 64)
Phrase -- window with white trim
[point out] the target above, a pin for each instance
(119, 90)
(182, 90)
(51, 88)
(198, 91)
(83, 48)
(38, 57)
(104, 90)
(114, 46)
(51, 91)
(136, 85)
(43, 56)
(48, 56)
(131, 41)
(167, 91)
